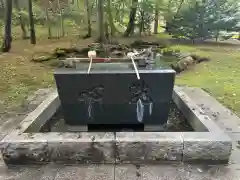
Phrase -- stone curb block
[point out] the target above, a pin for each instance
(206, 146)
(67, 148)
(141, 147)
(197, 117)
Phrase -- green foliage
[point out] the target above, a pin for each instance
(206, 18)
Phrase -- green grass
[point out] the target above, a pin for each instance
(18, 75)
(220, 77)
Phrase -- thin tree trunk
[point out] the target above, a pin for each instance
(2, 4)
(106, 34)
(77, 1)
(48, 21)
(217, 35)
(88, 19)
(110, 18)
(22, 24)
(168, 27)
(7, 40)
(178, 10)
(132, 16)
(156, 19)
(141, 26)
(62, 20)
(101, 21)
(202, 24)
(31, 23)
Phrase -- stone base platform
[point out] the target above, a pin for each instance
(25, 145)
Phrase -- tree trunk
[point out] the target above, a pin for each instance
(88, 19)
(202, 23)
(167, 27)
(77, 1)
(156, 19)
(22, 23)
(110, 18)
(178, 10)
(48, 21)
(31, 23)
(141, 25)
(217, 35)
(106, 34)
(132, 16)
(101, 21)
(2, 4)
(62, 20)
(7, 40)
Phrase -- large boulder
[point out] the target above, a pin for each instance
(183, 64)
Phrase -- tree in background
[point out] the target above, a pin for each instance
(61, 18)
(47, 19)
(31, 23)
(7, 39)
(21, 20)
(89, 24)
(156, 18)
(206, 18)
(101, 21)
(191, 19)
(132, 17)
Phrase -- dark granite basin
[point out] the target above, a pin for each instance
(115, 96)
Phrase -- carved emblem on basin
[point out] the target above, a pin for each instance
(91, 96)
(140, 95)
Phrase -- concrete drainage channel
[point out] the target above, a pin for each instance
(207, 143)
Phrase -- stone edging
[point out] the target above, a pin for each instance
(122, 147)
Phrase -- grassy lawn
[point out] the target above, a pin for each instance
(18, 75)
(220, 77)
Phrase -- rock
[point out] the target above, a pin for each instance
(42, 58)
(195, 57)
(136, 147)
(199, 59)
(176, 68)
(118, 53)
(204, 59)
(185, 63)
(183, 55)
